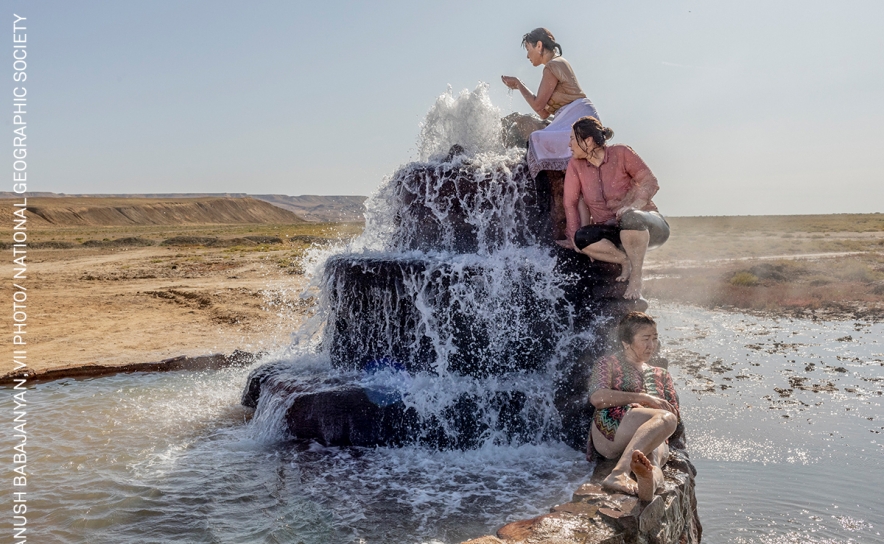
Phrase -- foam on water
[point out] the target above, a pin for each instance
(121, 472)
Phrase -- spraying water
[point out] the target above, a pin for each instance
(449, 305)
(468, 119)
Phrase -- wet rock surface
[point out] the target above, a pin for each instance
(471, 284)
(181, 362)
(381, 293)
(597, 516)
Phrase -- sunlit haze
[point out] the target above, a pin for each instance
(750, 107)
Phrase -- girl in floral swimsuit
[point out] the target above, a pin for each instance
(636, 410)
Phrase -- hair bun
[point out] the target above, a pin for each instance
(608, 133)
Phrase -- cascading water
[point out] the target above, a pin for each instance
(454, 320)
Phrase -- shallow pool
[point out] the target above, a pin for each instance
(784, 424)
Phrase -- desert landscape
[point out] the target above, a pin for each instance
(817, 266)
(117, 281)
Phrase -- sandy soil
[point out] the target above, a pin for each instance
(133, 305)
(817, 267)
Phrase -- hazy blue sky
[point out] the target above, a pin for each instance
(749, 107)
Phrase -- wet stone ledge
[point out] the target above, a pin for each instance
(92, 370)
(597, 516)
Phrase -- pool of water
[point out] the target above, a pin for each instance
(784, 423)
(170, 457)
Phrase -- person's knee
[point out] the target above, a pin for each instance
(633, 220)
(669, 421)
(643, 415)
(587, 236)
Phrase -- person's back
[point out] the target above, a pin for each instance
(567, 89)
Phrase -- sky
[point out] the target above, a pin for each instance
(739, 108)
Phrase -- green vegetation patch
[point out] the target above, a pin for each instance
(744, 278)
(131, 241)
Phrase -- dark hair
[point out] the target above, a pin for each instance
(590, 127)
(543, 36)
(631, 323)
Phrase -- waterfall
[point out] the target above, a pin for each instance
(449, 320)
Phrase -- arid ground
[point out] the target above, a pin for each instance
(148, 287)
(817, 266)
(123, 294)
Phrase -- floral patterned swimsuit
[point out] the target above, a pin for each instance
(609, 373)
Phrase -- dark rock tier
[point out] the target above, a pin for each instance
(431, 303)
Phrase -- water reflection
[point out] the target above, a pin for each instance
(785, 421)
(169, 458)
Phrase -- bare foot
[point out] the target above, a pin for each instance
(620, 482)
(644, 474)
(625, 272)
(634, 289)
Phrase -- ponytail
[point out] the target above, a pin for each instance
(591, 128)
(543, 36)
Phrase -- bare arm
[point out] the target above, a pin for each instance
(571, 201)
(644, 187)
(605, 398)
(544, 92)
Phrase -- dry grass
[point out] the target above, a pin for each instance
(301, 233)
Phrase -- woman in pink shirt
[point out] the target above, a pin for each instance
(616, 186)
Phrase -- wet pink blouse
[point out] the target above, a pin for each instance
(622, 179)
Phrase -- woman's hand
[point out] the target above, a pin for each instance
(650, 401)
(622, 210)
(511, 82)
(568, 244)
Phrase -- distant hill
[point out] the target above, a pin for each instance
(313, 208)
(344, 209)
(112, 211)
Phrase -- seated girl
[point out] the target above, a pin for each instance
(616, 186)
(636, 410)
(559, 95)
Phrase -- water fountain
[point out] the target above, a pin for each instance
(454, 320)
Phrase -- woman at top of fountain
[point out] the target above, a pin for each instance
(616, 186)
(636, 410)
(559, 95)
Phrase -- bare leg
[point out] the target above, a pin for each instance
(642, 429)
(585, 216)
(659, 458)
(604, 250)
(635, 244)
